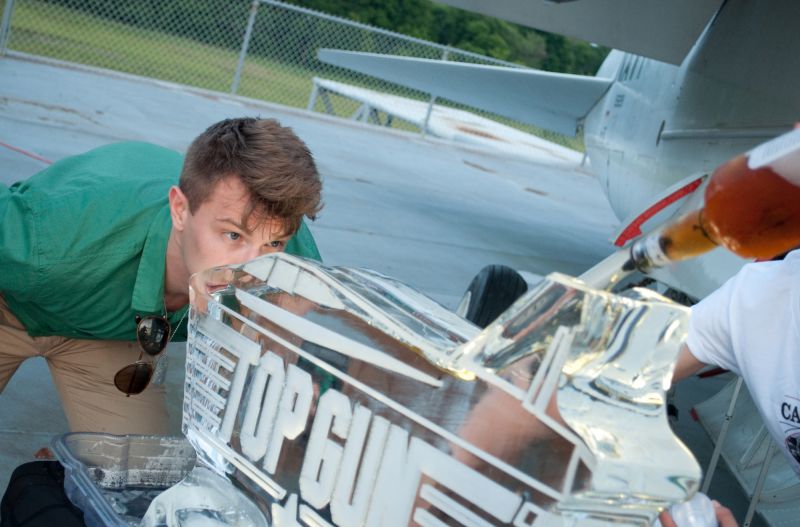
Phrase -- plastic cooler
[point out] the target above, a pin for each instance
(114, 478)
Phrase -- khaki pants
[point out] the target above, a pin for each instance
(83, 373)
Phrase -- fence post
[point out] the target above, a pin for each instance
(5, 26)
(248, 33)
(445, 53)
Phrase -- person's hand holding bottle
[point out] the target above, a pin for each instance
(700, 511)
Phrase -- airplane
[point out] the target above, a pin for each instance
(690, 85)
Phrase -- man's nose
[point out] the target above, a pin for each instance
(252, 251)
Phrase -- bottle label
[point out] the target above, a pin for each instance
(646, 253)
(655, 254)
(781, 153)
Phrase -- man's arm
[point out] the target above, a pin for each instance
(686, 365)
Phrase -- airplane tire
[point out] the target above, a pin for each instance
(491, 292)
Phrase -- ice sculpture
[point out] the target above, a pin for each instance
(336, 396)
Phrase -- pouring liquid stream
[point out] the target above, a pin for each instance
(606, 274)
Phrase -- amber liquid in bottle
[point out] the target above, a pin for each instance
(754, 213)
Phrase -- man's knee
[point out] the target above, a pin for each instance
(114, 413)
(84, 372)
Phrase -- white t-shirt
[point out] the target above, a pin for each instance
(751, 326)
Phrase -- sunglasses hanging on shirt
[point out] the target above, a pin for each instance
(153, 333)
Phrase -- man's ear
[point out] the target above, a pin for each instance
(178, 208)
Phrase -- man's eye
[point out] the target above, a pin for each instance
(233, 235)
(276, 244)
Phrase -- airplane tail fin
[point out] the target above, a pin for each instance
(554, 101)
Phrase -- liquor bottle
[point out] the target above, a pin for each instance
(752, 208)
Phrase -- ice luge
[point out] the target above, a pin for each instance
(340, 396)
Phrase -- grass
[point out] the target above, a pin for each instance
(55, 31)
(71, 35)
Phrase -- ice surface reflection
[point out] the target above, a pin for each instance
(336, 396)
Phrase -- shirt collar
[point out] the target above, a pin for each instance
(148, 291)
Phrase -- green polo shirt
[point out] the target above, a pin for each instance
(83, 243)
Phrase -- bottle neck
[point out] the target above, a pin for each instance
(648, 253)
(685, 238)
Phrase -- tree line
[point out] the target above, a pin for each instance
(469, 31)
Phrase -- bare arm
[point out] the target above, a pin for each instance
(686, 365)
(501, 426)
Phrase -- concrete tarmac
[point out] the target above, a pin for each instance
(428, 212)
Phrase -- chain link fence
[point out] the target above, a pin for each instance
(256, 48)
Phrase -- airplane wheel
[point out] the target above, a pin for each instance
(491, 292)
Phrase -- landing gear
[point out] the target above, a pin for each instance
(491, 292)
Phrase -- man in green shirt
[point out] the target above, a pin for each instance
(97, 241)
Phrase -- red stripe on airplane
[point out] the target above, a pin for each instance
(26, 153)
(635, 228)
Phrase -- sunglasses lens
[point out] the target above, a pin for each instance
(133, 378)
(153, 334)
